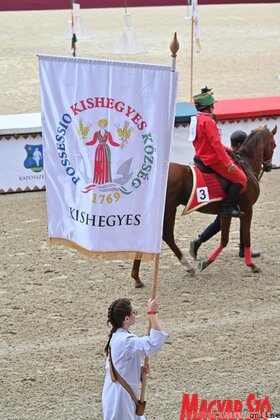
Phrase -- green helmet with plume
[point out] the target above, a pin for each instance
(204, 99)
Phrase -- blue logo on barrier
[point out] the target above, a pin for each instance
(34, 160)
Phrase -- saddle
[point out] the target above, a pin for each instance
(225, 183)
(208, 186)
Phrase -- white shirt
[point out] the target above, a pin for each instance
(127, 351)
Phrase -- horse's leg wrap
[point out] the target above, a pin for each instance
(248, 257)
(215, 254)
(249, 262)
(185, 262)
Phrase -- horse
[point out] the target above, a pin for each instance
(254, 156)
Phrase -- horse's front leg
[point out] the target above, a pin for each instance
(225, 225)
(246, 235)
(168, 237)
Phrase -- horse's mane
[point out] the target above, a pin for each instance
(253, 138)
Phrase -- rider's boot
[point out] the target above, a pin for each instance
(194, 245)
(254, 254)
(230, 207)
(210, 231)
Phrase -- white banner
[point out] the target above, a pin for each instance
(107, 129)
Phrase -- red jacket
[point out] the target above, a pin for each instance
(207, 142)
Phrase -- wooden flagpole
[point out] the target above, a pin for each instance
(153, 296)
(191, 76)
(74, 37)
(174, 47)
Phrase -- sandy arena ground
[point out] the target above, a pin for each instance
(239, 57)
(223, 322)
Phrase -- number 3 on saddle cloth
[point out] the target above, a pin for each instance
(206, 188)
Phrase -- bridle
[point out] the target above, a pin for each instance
(267, 160)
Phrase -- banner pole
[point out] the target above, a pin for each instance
(174, 47)
(191, 76)
(153, 296)
(74, 37)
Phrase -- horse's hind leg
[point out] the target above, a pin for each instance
(135, 274)
(168, 237)
(225, 225)
(246, 229)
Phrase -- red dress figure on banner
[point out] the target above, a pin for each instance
(102, 158)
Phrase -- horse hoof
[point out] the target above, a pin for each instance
(139, 285)
(256, 270)
(202, 265)
(191, 270)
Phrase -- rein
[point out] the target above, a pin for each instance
(261, 174)
(239, 160)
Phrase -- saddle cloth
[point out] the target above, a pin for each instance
(206, 189)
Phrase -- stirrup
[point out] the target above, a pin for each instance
(231, 212)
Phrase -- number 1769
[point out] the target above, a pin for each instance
(105, 198)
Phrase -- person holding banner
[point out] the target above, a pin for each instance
(102, 158)
(124, 352)
(212, 153)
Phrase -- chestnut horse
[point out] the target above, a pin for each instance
(255, 153)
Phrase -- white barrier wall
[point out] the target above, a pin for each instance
(182, 150)
(21, 152)
(21, 163)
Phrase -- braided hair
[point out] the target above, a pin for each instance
(117, 312)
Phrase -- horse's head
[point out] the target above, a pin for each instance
(264, 145)
(270, 145)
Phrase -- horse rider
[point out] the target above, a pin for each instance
(236, 140)
(213, 154)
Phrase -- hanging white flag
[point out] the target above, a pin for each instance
(195, 22)
(81, 29)
(195, 18)
(107, 129)
(129, 43)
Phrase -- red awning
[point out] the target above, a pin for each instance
(231, 109)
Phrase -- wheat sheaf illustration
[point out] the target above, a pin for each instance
(124, 133)
(83, 130)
